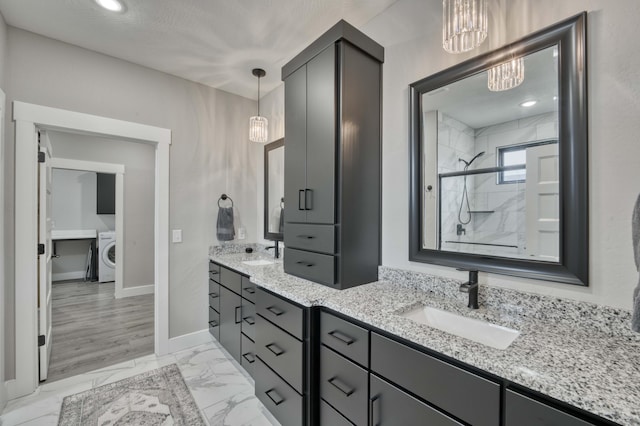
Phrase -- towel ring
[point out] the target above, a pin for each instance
(224, 197)
(282, 203)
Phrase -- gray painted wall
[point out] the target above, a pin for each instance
(210, 152)
(139, 183)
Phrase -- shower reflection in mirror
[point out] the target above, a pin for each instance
(493, 159)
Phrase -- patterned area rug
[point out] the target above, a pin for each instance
(157, 397)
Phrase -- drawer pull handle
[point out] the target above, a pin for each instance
(249, 320)
(341, 386)
(250, 290)
(341, 337)
(214, 295)
(277, 400)
(373, 413)
(238, 310)
(275, 311)
(307, 264)
(213, 323)
(274, 349)
(308, 237)
(249, 357)
(214, 272)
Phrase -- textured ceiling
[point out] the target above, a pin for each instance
(213, 42)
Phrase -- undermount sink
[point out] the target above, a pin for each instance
(483, 332)
(258, 262)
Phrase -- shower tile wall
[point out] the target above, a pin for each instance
(507, 224)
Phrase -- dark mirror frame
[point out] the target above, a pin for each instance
(573, 265)
(271, 236)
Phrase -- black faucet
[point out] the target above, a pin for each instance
(471, 287)
(276, 249)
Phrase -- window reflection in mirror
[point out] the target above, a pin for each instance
(490, 165)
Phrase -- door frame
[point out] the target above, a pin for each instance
(119, 171)
(3, 206)
(28, 119)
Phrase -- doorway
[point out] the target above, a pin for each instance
(29, 119)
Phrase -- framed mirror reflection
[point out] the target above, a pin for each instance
(274, 191)
(499, 160)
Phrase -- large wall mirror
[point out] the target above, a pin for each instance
(274, 190)
(499, 160)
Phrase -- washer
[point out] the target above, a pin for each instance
(107, 256)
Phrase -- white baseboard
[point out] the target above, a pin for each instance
(135, 291)
(12, 389)
(63, 276)
(189, 340)
(3, 395)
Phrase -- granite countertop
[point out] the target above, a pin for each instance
(579, 353)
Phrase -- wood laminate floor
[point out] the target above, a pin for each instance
(92, 329)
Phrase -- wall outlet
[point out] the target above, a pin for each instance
(242, 233)
(177, 236)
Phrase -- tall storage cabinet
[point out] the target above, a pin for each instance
(332, 159)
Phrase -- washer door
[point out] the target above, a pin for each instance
(109, 255)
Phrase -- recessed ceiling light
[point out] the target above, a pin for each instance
(527, 104)
(112, 5)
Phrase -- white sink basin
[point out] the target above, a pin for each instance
(493, 335)
(258, 262)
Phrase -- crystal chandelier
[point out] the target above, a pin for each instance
(506, 75)
(258, 126)
(464, 24)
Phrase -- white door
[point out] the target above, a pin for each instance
(543, 203)
(44, 261)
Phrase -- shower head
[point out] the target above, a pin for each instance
(468, 163)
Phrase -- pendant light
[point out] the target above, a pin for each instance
(258, 126)
(464, 24)
(506, 76)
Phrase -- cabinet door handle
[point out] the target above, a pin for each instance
(250, 290)
(308, 237)
(301, 205)
(307, 264)
(277, 400)
(213, 323)
(238, 310)
(308, 199)
(373, 413)
(341, 337)
(275, 311)
(249, 320)
(341, 386)
(214, 295)
(249, 357)
(274, 349)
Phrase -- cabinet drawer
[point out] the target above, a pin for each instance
(315, 267)
(437, 382)
(349, 339)
(231, 280)
(389, 406)
(343, 385)
(319, 238)
(214, 323)
(524, 411)
(214, 271)
(249, 319)
(214, 295)
(280, 351)
(248, 357)
(248, 289)
(280, 312)
(277, 396)
(330, 417)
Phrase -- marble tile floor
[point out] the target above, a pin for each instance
(222, 391)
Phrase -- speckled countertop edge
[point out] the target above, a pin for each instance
(575, 352)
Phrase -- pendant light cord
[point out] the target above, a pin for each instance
(258, 96)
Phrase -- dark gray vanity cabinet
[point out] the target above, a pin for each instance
(232, 314)
(332, 159)
(281, 373)
(521, 410)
